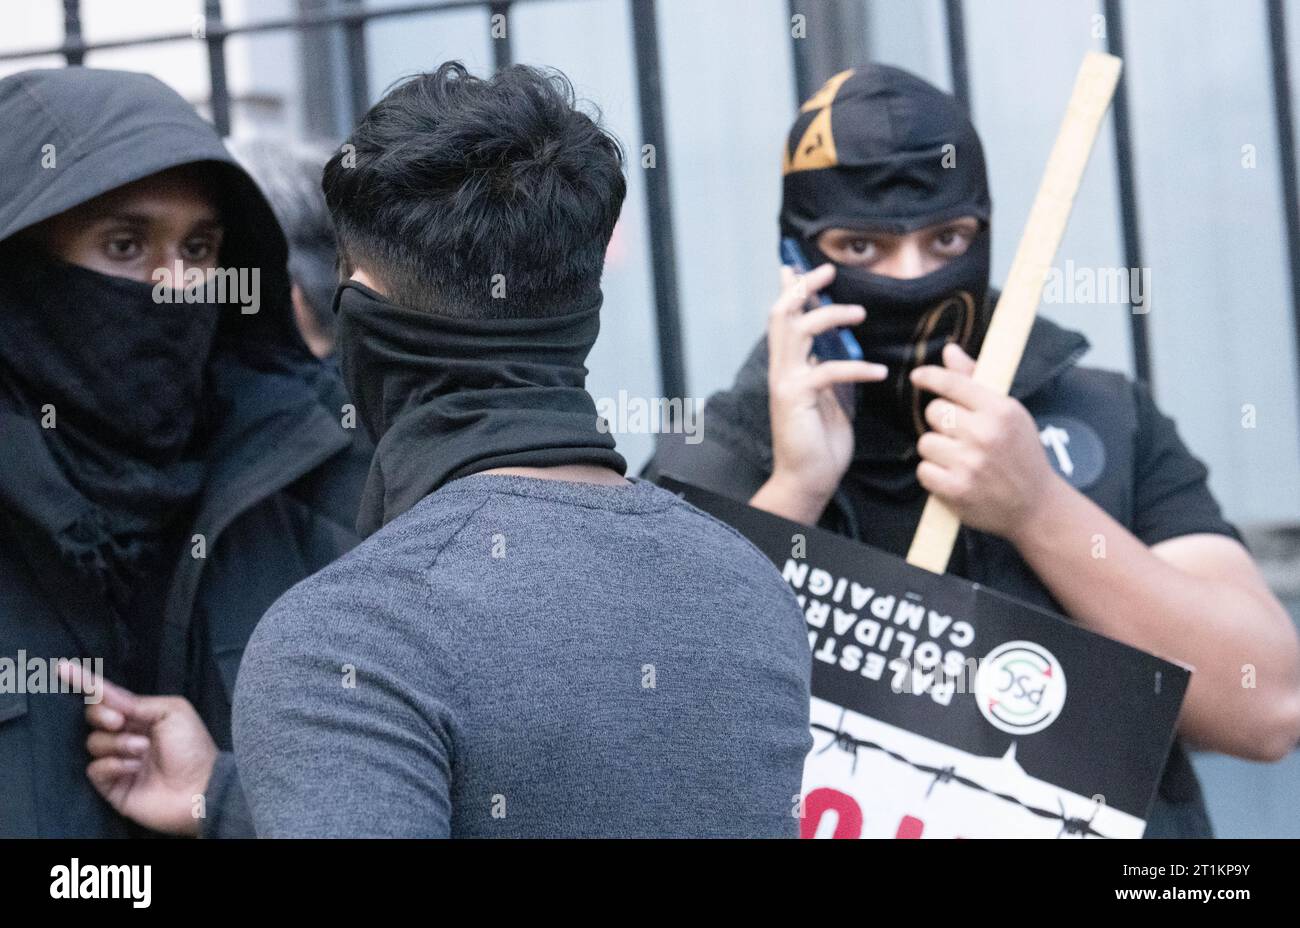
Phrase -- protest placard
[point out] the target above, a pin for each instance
(942, 708)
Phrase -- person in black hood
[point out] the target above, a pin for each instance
(173, 458)
(1075, 493)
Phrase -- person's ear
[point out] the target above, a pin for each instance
(317, 340)
(366, 279)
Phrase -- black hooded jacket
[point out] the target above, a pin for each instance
(1121, 452)
(282, 481)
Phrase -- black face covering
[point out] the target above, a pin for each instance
(446, 397)
(106, 386)
(909, 322)
(120, 367)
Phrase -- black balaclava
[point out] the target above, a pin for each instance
(881, 150)
(445, 397)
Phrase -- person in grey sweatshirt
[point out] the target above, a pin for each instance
(528, 644)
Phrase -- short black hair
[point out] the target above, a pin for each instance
(452, 179)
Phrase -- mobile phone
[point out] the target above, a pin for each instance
(836, 344)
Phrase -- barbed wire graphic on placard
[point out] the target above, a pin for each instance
(841, 739)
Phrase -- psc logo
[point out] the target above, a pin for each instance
(1020, 687)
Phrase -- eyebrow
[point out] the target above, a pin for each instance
(867, 233)
(143, 219)
(961, 222)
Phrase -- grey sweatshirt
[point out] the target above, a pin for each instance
(530, 658)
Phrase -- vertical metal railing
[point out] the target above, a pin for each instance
(502, 49)
(1283, 115)
(801, 63)
(1126, 171)
(354, 44)
(829, 38)
(659, 212)
(955, 20)
(72, 54)
(214, 35)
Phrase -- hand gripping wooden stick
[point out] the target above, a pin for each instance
(1009, 329)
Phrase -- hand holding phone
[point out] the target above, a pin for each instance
(810, 399)
(837, 344)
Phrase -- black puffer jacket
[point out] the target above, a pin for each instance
(283, 474)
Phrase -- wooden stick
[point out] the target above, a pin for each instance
(1014, 317)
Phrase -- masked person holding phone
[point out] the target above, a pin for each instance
(885, 193)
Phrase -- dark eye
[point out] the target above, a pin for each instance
(953, 240)
(198, 249)
(122, 247)
(861, 247)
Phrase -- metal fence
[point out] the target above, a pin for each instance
(834, 40)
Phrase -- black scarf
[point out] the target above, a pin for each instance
(446, 397)
(101, 395)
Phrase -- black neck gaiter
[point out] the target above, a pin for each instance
(102, 389)
(447, 397)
